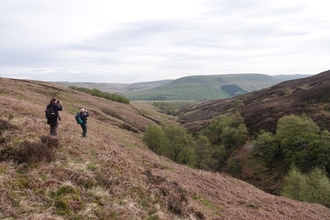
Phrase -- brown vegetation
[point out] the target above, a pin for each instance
(111, 174)
(263, 108)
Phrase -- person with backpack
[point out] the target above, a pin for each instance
(52, 115)
(83, 116)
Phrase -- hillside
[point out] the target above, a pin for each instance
(290, 77)
(119, 88)
(203, 87)
(206, 87)
(111, 174)
(262, 109)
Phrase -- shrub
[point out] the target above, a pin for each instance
(267, 146)
(228, 130)
(298, 138)
(153, 137)
(221, 156)
(294, 131)
(31, 152)
(312, 187)
(178, 145)
(205, 154)
(171, 141)
(234, 167)
(99, 93)
(182, 116)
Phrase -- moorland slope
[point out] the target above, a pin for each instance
(262, 109)
(111, 174)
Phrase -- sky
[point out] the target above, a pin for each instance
(130, 41)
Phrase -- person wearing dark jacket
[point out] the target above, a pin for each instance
(54, 122)
(83, 115)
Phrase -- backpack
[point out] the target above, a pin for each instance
(78, 118)
(49, 112)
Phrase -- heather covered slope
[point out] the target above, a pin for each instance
(262, 109)
(111, 174)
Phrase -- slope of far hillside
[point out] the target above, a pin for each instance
(111, 174)
(205, 87)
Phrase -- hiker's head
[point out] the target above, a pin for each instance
(82, 110)
(53, 100)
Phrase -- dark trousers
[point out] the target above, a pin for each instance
(53, 128)
(84, 129)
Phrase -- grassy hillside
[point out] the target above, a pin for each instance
(119, 88)
(111, 174)
(206, 87)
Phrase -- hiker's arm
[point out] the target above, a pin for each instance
(58, 107)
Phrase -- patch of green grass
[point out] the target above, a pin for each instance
(66, 199)
(91, 166)
(207, 203)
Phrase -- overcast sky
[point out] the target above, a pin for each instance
(129, 41)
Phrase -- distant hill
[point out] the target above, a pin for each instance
(290, 77)
(203, 87)
(206, 87)
(119, 88)
(195, 88)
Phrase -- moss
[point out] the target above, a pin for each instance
(67, 199)
(22, 182)
(63, 207)
(91, 166)
(207, 203)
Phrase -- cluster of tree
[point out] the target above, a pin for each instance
(313, 186)
(171, 141)
(299, 141)
(207, 150)
(300, 144)
(95, 92)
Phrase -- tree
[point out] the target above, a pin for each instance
(295, 185)
(295, 135)
(178, 145)
(319, 155)
(205, 154)
(228, 130)
(153, 137)
(267, 145)
(312, 187)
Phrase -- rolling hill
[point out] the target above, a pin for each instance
(206, 87)
(192, 88)
(119, 88)
(111, 174)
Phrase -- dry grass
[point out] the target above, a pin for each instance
(111, 174)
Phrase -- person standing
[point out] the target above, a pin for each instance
(83, 115)
(54, 122)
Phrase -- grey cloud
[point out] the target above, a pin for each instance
(129, 35)
(255, 34)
